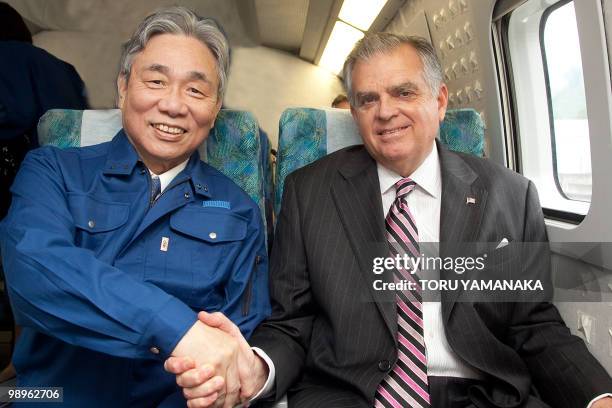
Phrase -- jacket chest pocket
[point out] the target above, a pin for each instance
(96, 220)
(212, 239)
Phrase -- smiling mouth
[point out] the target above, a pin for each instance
(171, 130)
(392, 131)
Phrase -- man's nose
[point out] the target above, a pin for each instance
(387, 108)
(172, 103)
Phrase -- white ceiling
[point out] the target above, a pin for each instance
(274, 23)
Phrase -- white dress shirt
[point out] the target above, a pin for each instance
(424, 203)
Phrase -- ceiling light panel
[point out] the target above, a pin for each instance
(341, 41)
(361, 13)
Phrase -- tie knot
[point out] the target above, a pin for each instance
(404, 187)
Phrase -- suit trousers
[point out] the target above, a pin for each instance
(451, 392)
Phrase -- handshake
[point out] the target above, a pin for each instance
(214, 364)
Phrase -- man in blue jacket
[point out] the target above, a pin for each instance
(111, 250)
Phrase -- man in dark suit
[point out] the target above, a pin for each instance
(335, 341)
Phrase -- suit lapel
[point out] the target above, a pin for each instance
(461, 210)
(356, 194)
(460, 222)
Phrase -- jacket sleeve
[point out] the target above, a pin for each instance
(563, 371)
(286, 335)
(64, 291)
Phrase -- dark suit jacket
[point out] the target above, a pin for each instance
(333, 338)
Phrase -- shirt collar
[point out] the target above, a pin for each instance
(427, 176)
(166, 177)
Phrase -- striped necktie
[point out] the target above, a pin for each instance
(406, 385)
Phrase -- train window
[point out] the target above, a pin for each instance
(568, 119)
(545, 84)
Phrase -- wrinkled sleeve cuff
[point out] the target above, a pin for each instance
(595, 399)
(269, 385)
(168, 325)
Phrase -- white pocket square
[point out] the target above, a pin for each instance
(502, 243)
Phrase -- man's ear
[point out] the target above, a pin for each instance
(121, 90)
(442, 101)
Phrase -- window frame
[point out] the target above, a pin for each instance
(510, 110)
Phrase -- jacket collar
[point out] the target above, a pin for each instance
(122, 158)
(200, 176)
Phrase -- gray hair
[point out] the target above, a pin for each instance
(181, 21)
(376, 43)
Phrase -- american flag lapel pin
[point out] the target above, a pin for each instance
(470, 200)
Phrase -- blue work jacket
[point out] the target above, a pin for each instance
(105, 285)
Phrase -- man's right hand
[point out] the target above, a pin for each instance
(205, 350)
(252, 370)
(199, 388)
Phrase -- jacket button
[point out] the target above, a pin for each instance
(213, 235)
(154, 350)
(91, 224)
(187, 196)
(384, 365)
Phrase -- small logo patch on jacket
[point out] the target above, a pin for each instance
(216, 204)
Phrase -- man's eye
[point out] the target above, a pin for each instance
(406, 94)
(196, 91)
(366, 100)
(155, 83)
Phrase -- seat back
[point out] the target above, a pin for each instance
(307, 134)
(233, 146)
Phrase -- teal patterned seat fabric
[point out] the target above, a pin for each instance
(61, 128)
(463, 131)
(302, 139)
(307, 134)
(233, 146)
